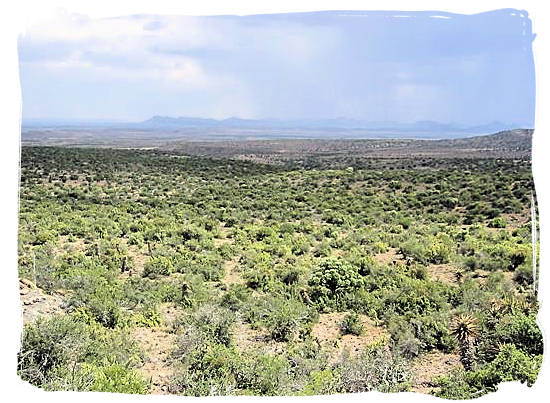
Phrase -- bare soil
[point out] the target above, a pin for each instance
(328, 332)
(430, 365)
(157, 343)
(445, 273)
(388, 257)
(35, 303)
(232, 275)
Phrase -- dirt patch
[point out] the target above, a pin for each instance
(328, 332)
(138, 257)
(36, 304)
(247, 339)
(515, 220)
(64, 245)
(388, 257)
(219, 242)
(427, 366)
(157, 343)
(445, 273)
(232, 275)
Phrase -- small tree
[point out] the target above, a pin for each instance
(332, 280)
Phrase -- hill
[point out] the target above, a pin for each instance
(513, 144)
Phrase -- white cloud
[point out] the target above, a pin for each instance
(295, 65)
(120, 48)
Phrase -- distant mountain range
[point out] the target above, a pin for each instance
(166, 122)
(336, 126)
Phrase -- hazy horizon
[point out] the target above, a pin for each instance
(401, 67)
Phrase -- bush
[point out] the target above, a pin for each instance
(332, 280)
(286, 319)
(73, 352)
(158, 266)
(215, 322)
(524, 276)
(43, 236)
(235, 297)
(116, 378)
(48, 344)
(376, 369)
(206, 367)
(320, 382)
(497, 222)
(262, 374)
(510, 364)
(433, 333)
(522, 331)
(351, 325)
(100, 299)
(440, 249)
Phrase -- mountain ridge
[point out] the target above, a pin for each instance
(422, 128)
(168, 122)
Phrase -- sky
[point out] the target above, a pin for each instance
(373, 66)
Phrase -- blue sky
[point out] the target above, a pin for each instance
(377, 66)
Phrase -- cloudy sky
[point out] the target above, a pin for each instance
(375, 66)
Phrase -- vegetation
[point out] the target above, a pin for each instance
(310, 276)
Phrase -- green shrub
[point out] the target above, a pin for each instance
(262, 374)
(376, 369)
(351, 324)
(498, 222)
(286, 319)
(320, 382)
(212, 322)
(158, 266)
(116, 378)
(510, 364)
(332, 279)
(73, 352)
(522, 331)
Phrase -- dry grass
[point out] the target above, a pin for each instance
(388, 257)
(64, 245)
(232, 275)
(445, 273)
(157, 344)
(427, 366)
(328, 332)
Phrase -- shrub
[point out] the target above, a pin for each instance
(433, 333)
(287, 319)
(524, 275)
(440, 251)
(263, 374)
(332, 280)
(215, 323)
(510, 364)
(376, 369)
(320, 382)
(101, 299)
(73, 352)
(522, 331)
(115, 378)
(158, 266)
(351, 325)
(497, 222)
(48, 344)
(43, 236)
